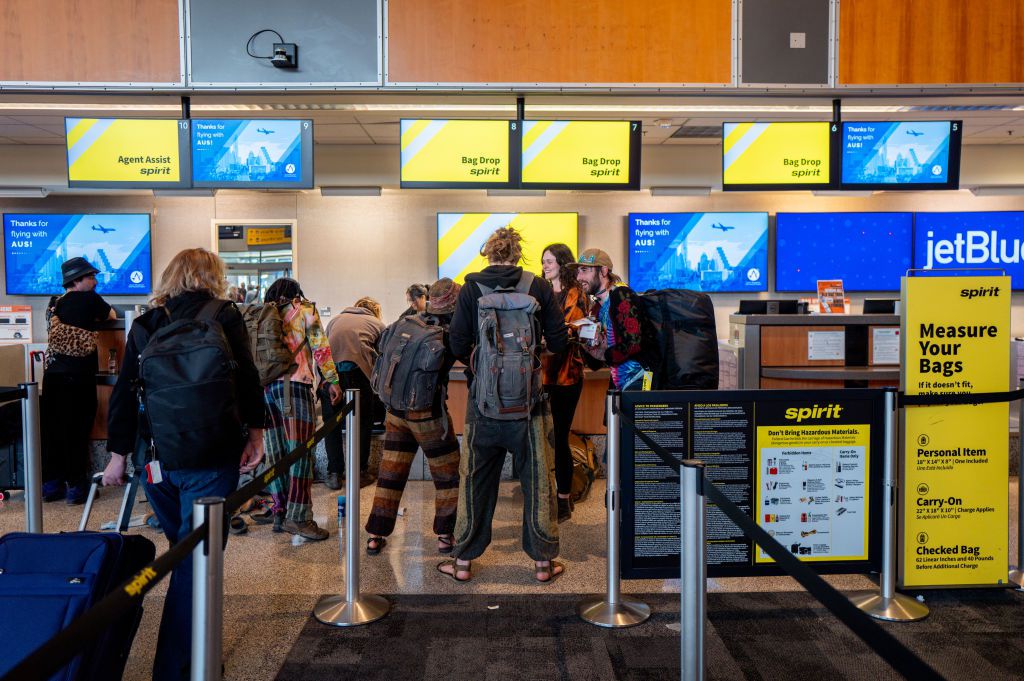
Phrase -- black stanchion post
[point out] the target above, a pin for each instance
(889, 605)
(353, 608)
(32, 446)
(693, 569)
(611, 611)
(208, 590)
(1017, 573)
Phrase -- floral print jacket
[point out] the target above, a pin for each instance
(301, 321)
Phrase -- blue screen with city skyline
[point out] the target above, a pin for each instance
(698, 251)
(889, 153)
(252, 153)
(868, 251)
(118, 245)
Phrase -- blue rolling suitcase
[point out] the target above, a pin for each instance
(47, 580)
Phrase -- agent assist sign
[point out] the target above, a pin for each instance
(956, 340)
(128, 152)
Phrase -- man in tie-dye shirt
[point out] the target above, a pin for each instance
(619, 341)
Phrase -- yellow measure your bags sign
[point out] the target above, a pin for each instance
(956, 340)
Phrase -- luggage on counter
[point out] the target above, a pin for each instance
(47, 580)
(683, 351)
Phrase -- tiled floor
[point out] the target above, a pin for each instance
(272, 583)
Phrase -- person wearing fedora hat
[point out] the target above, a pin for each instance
(68, 402)
(429, 429)
(619, 341)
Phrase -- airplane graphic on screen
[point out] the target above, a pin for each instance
(102, 229)
(265, 131)
(720, 226)
(914, 133)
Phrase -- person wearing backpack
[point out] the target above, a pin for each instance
(293, 422)
(68, 401)
(187, 363)
(619, 341)
(563, 373)
(353, 337)
(411, 377)
(501, 314)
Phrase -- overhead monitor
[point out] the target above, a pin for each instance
(581, 154)
(116, 244)
(968, 243)
(777, 156)
(868, 251)
(128, 153)
(901, 155)
(711, 252)
(252, 154)
(459, 154)
(460, 237)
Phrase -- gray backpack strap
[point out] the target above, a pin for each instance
(484, 290)
(525, 282)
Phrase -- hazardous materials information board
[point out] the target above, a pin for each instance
(953, 500)
(800, 462)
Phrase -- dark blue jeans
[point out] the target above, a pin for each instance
(172, 501)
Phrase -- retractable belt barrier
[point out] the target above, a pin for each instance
(59, 650)
(901, 658)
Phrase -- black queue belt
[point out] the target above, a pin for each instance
(60, 649)
(948, 399)
(9, 394)
(901, 658)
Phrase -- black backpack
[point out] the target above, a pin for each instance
(408, 367)
(188, 393)
(682, 351)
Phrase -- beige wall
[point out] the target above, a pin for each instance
(348, 247)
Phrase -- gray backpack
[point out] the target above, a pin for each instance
(506, 367)
(406, 372)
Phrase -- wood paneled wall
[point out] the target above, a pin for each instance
(102, 41)
(538, 41)
(931, 41)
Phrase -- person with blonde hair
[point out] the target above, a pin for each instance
(353, 336)
(526, 433)
(191, 287)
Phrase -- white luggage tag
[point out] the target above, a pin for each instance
(154, 475)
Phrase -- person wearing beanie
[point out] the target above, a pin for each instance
(68, 402)
(431, 430)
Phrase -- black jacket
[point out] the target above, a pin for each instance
(123, 419)
(464, 322)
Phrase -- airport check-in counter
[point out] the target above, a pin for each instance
(801, 351)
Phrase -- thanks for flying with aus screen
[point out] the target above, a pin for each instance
(698, 251)
(896, 153)
(248, 152)
(117, 245)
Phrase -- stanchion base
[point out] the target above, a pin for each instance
(1017, 577)
(613, 615)
(899, 608)
(338, 612)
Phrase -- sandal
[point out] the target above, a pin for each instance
(375, 545)
(549, 570)
(264, 516)
(456, 568)
(446, 543)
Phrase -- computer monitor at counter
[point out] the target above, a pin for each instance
(769, 307)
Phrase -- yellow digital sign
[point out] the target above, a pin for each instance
(267, 236)
(121, 152)
(461, 235)
(776, 155)
(566, 154)
(956, 340)
(457, 153)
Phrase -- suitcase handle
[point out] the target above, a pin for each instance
(127, 502)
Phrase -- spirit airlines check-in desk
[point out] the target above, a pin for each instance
(800, 351)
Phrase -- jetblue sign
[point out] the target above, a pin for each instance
(993, 240)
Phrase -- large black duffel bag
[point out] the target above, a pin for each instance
(682, 351)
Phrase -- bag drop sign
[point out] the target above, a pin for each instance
(956, 333)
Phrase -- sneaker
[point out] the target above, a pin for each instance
(564, 509)
(54, 490)
(77, 495)
(306, 529)
(279, 522)
(333, 481)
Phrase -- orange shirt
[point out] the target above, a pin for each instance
(567, 368)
